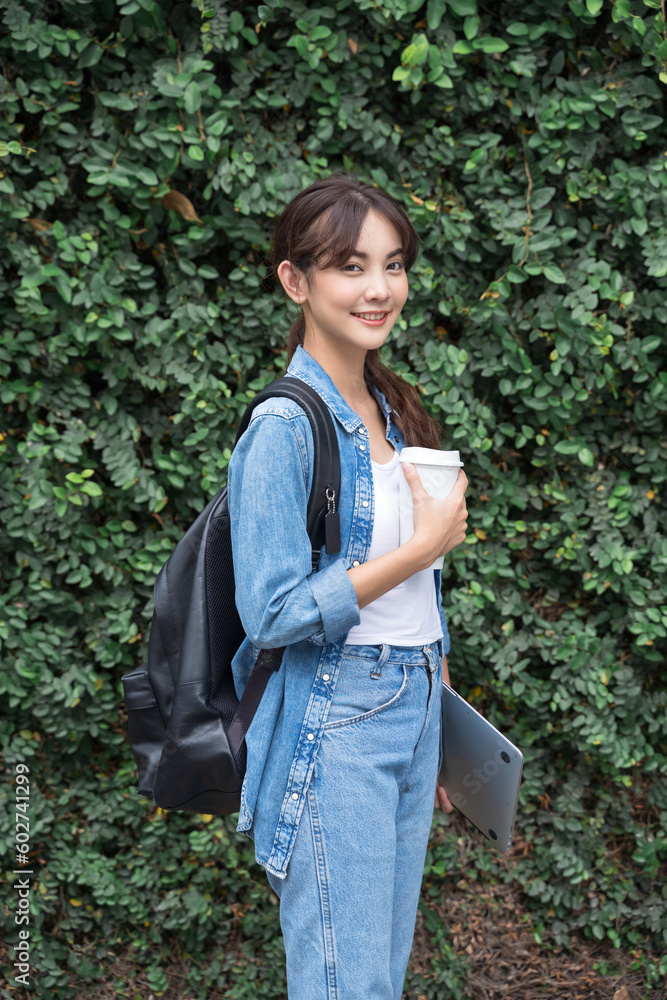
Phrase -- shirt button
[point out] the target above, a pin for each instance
(364, 503)
(325, 677)
(311, 736)
(362, 430)
(295, 795)
(362, 447)
(356, 562)
(395, 438)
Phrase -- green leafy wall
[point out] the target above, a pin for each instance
(145, 149)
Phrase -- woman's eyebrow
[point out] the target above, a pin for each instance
(364, 256)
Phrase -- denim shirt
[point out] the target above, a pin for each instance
(283, 602)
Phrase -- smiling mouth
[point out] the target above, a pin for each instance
(372, 317)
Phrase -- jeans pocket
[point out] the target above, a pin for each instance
(361, 694)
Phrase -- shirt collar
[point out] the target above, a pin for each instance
(305, 367)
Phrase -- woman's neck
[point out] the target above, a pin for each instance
(346, 373)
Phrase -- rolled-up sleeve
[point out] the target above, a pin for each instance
(279, 598)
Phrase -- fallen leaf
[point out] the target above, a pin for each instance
(178, 202)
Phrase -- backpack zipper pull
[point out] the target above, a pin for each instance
(331, 523)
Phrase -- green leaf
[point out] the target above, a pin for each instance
(471, 26)
(63, 287)
(235, 22)
(554, 274)
(417, 52)
(435, 10)
(464, 8)
(594, 6)
(320, 32)
(489, 44)
(566, 447)
(192, 97)
(92, 489)
(147, 176)
(301, 45)
(585, 456)
(649, 344)
(90, 56)
(196, 153)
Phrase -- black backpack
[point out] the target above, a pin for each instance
(187, 727)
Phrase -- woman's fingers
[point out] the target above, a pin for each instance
(461, 483)
(413, 480)
(442, 800)
(440, 524)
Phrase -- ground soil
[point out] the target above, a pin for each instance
(490, 925)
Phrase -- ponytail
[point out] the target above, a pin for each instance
(295, 336)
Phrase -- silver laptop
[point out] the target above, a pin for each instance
(481, 770)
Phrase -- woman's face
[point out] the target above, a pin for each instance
(352, 307)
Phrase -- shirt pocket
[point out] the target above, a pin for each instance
(362, 691)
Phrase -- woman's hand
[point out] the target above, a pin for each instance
(440, 525)
(442, 800)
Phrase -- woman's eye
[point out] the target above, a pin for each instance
(348, 267)
(396, 265)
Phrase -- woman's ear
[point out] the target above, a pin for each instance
(293, 281)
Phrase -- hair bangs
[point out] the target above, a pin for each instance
(337, 232)
(325, 231)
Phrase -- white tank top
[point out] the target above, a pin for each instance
(408, 615)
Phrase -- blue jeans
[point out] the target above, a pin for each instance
(349, 901)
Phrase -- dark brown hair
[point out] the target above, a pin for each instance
(320, 228)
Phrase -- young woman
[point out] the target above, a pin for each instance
(343, 752)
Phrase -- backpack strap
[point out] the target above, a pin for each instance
(324, 492)
(326, 457)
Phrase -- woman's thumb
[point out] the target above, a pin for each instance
(411, 475)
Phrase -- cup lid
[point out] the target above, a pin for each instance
(430, 456)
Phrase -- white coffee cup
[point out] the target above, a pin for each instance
(438, 471)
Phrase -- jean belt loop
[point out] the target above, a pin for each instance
(376, 669)
(431, 653)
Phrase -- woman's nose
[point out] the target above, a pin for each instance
(377, 288)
